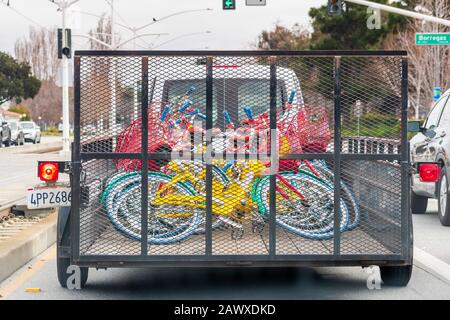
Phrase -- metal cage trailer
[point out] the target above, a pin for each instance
(236, 158)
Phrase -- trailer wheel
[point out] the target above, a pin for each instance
(418, 203)
(63, 240)
(396, 276)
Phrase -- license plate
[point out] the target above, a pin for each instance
(48, 197)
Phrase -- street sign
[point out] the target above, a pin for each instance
(436, 93)
(255, 2)
(229, 4)
(432, 39)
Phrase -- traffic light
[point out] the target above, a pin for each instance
(335, 7)
(229, 4)
(65, 48)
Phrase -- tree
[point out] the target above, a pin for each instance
(16, 81)
(282, 38)
(40, 51)
(429, 65)
(22, 110)
(102, 32)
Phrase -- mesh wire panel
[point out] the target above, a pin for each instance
(256, 172)
(110, 100)
(371, 104)
(375, 187)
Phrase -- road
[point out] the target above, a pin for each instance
(317, 283)
(19, 170)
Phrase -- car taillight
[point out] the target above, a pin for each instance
(429, 172)
(48, 171)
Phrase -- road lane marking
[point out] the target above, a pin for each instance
(28, 273)
(432, 264)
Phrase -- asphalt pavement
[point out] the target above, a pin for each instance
(19, 170)
(247, 283)
(235, 284)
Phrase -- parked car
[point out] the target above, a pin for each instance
(31, 131)
(430, 150)
(17, 135)
(5, 133)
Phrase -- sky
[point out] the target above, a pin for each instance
(233, 29)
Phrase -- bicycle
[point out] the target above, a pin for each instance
(240, 193)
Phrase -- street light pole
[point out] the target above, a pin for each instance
(65, 87)
(63, 6)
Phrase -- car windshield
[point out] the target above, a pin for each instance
(13, 125)
(228, 95)
(27, 125)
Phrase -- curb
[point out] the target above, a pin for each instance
(40, 148)
(431, 264)
(23, 247)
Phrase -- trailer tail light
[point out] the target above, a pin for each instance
(429, 172)
(48, 171)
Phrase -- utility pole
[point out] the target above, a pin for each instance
(63, 6)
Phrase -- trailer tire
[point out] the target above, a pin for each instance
(63, 239)
(418, 203)
(61, 265)
(396, 276)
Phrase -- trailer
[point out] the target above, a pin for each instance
(236, 158)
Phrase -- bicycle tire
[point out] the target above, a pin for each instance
(347, 195)
(325, 232)
(122, 188)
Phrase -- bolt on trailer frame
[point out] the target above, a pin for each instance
(341, 96)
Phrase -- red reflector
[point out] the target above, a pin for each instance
(429, 172)
(48, 171)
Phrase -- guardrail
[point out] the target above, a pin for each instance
(370, 145)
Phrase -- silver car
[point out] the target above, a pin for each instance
(17, 135)
(31, 131)
(430, 151)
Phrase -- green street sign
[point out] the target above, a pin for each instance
(423, 39)
(229, 4)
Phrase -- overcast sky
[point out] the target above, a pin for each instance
(236, 29)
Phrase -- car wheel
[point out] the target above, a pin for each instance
(396, 276)
(443, 199)
(8, 142)
(1, 141)
(35, 141)
(418, 203)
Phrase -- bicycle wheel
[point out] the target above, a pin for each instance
(347, 195)
(312, 217)
(166, 223)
